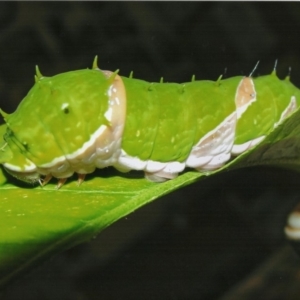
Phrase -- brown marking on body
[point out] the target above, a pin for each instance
(245, 95)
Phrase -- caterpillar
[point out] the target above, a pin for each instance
(78, 121)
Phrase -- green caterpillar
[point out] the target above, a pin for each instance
(81, 120)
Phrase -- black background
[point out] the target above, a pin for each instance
(201, 241)
(170, 39)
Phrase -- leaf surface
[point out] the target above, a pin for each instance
(36, 222)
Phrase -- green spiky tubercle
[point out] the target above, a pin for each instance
(61, 111)
(164, 120)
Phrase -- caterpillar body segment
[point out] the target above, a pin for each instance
(81, 120)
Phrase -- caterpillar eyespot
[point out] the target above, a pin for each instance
(81, 120)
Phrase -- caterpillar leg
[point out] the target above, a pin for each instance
(160, 176)
(157, 178)
(60, 183)
(160, 172)
(44, 181)
(80, 179)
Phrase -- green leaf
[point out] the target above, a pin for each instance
(36, 222)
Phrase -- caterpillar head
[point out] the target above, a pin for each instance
(62, 123)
